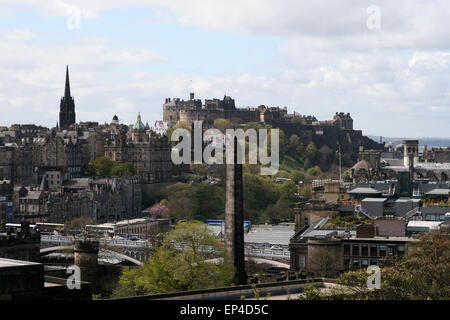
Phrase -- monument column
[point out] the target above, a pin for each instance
(234, 218)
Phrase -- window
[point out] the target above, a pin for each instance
(373, 250)
(364, 250)
(390, 250)
(346, 249)
(355, 250)
(383, 251)
(373, 262)
(301, 261)
(364, 262)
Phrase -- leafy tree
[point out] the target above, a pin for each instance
(103, 166)
(305, 192)
(297, 176)
(78, 223)
(259, 192)
(288, 191)
(299, 151)
(294, 143)
(171, 269)
(314, 171)
(222, 125)
(209, 201)
(123, 170)
(278, 212)
(200, 169)
(310, 152)
(180, 201)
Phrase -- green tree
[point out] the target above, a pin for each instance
(288, 191)
(297, 176)
(180, 197)
(310, 152)
(314, 171)
(222, 125)
(199, 169)
(305, 192)
(279, 212)
(171, 269)
(103, 166)
(294, 142)
(209, 201)
(123, 170)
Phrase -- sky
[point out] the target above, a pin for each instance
(387, 63)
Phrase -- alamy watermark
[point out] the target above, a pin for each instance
(73, 21)
(373, 21)
(213, 153)
(374, 280)
(74, 280)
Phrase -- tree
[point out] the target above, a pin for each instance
(180, 201)
(310, 152)
(314, 171)
(123, 170)
(297, 176)
(103, 166)
(305, 192)
(78, 223)
(209, 201)
(288, 191)
(199, 169)
(294, 143)
(171, 269)
(278, 212)
(222, 125)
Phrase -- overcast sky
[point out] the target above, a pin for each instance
(385, 62)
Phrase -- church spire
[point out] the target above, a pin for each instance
(67, 90)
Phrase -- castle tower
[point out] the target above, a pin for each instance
(67, 106)
(410, 147)
(234, 218)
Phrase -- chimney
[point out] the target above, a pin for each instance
(191, 95)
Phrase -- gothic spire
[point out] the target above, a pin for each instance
(67, 90)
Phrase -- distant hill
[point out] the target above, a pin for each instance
(430, 142)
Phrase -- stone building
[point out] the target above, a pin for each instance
(321, 251)
(56, 151)
(6, 199)
(149, 153)
(368, 166)
(16, 163)
(102, 200)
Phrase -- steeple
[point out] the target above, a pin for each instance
(67, 90)
(67, 106)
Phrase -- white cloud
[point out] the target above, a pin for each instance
(18, 35)
(329, 61)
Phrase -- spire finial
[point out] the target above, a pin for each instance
(67, 90)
